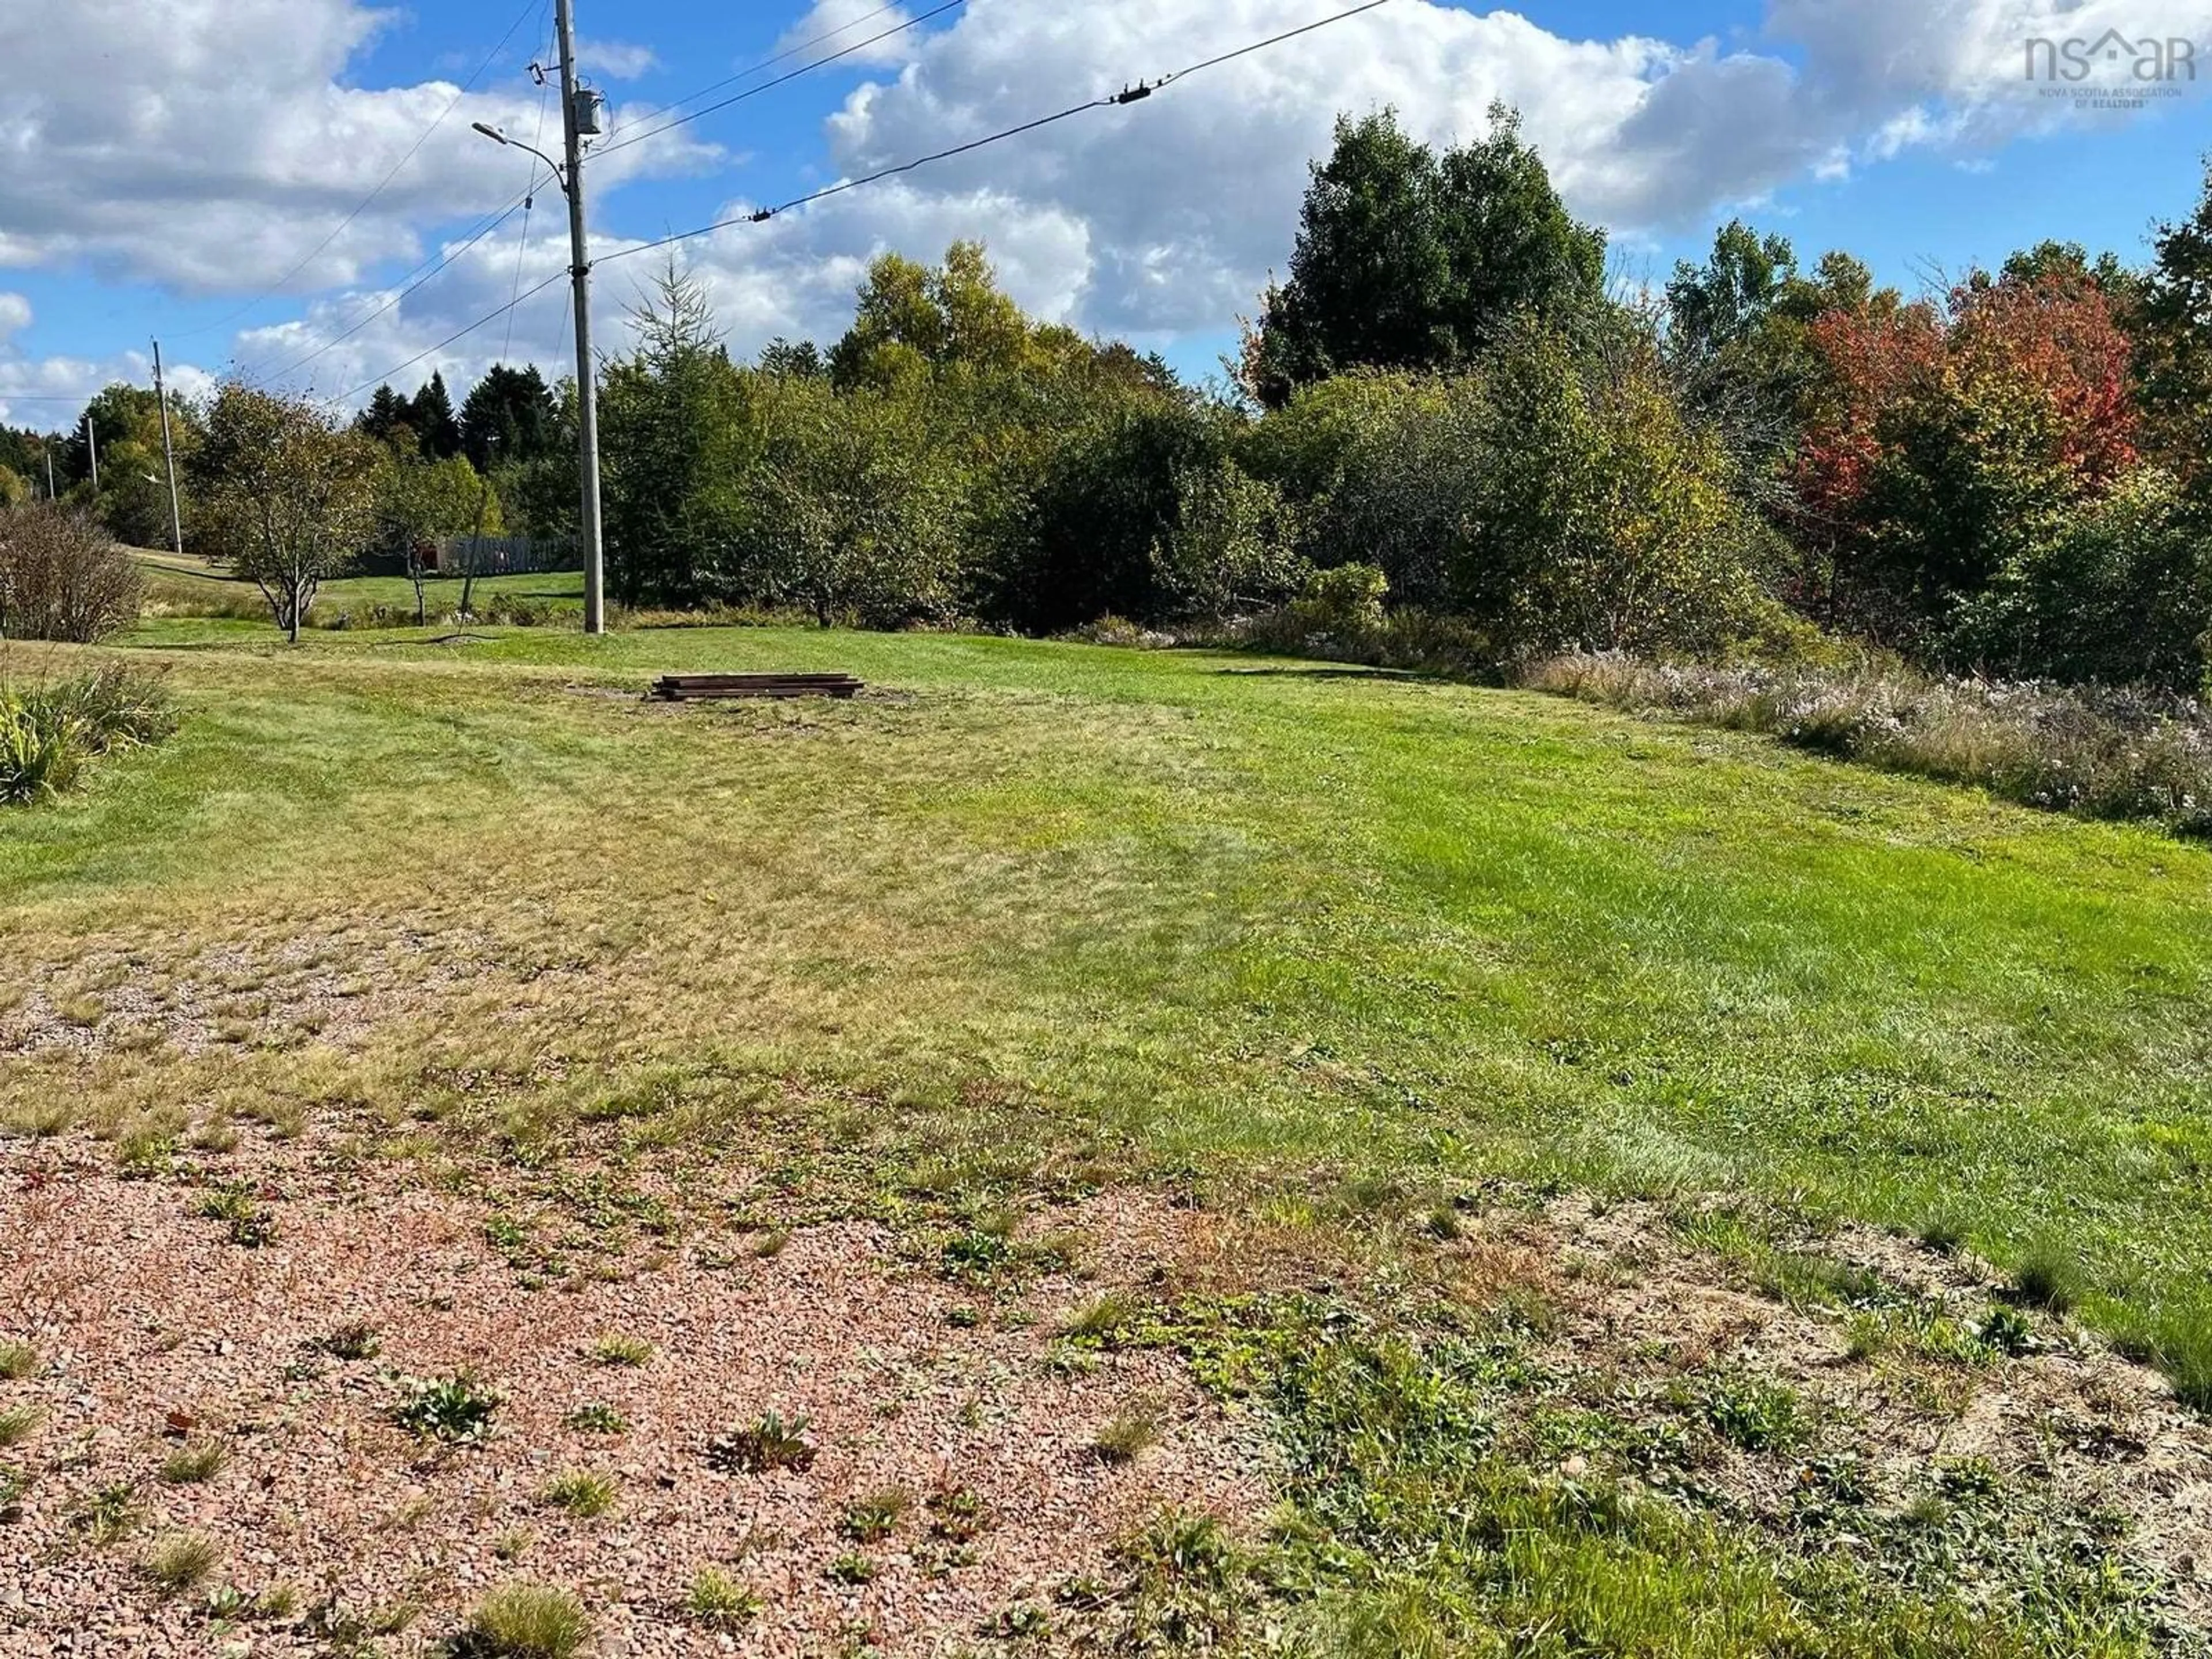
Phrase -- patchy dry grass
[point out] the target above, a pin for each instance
(1349, 958)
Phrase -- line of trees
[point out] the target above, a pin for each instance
(1443, 409)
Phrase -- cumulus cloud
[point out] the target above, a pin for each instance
(833, 25)
(214, 152)
(618, 60)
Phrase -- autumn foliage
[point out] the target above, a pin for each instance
(1940, 443)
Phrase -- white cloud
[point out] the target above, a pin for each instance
(617, 59)
(47, 393)
(214, 153)
(213, 148)
(15, 317)
(834, 25)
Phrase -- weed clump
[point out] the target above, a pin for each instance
(1127, 1437)
(582, 1493)
(871, 1519)
(767, 1443)
(622, 1350)
(458, 1408)
(524, 1622)
(109, 1515)
(716, 1598)
(19, 1422)
(2049, 1276)
(194, 1461)
(48, 734)
(180, 1562)
(1756, 1413)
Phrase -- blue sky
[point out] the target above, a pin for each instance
(174, 181)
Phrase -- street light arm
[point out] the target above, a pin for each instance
(499, 137)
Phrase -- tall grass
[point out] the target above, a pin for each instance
(50, 732)
(2099, 753)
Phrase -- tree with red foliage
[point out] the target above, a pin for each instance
(1941, 445)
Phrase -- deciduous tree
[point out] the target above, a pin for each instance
(286, 495)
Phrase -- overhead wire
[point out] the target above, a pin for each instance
(438, 264)
(1132, 94)
(522, 250)
(915, 22)
(1129, 94)
(771, 63)
(363, 205)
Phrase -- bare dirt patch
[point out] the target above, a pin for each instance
(320, 987)
(157, 1332)
(954, 1412)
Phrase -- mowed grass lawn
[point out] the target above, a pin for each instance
(1244, 923)
(189, 584)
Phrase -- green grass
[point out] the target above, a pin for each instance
(189, 586)
(524, 1621)
(583, 1493)
(1231, 916)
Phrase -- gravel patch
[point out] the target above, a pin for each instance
(159, 1333)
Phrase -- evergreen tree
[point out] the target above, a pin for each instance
(1408, 259)
(2174, 346)
(386, 413)
(508, 418)
(436, 428)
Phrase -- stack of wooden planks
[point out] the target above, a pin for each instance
(697, 688)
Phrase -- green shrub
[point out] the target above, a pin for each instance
(1229, 549)
(62, 577)
(2121, 594)
(49, 732)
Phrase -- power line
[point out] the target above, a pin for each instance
(436, 268)
(1130, 95)
(489, 318)
(788, 76)
(413, 149)
(439, 264)
(529, 201)
(771, 63)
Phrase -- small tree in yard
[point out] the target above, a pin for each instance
(419, 503)
(289, 492)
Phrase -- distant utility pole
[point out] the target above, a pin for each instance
(574, 115)
(168, 456)
(53, 495)
(92, 444)
(579, 118)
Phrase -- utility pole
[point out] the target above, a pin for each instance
(168, 456)
(92, 444)
(53, 495)
(580, 273)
